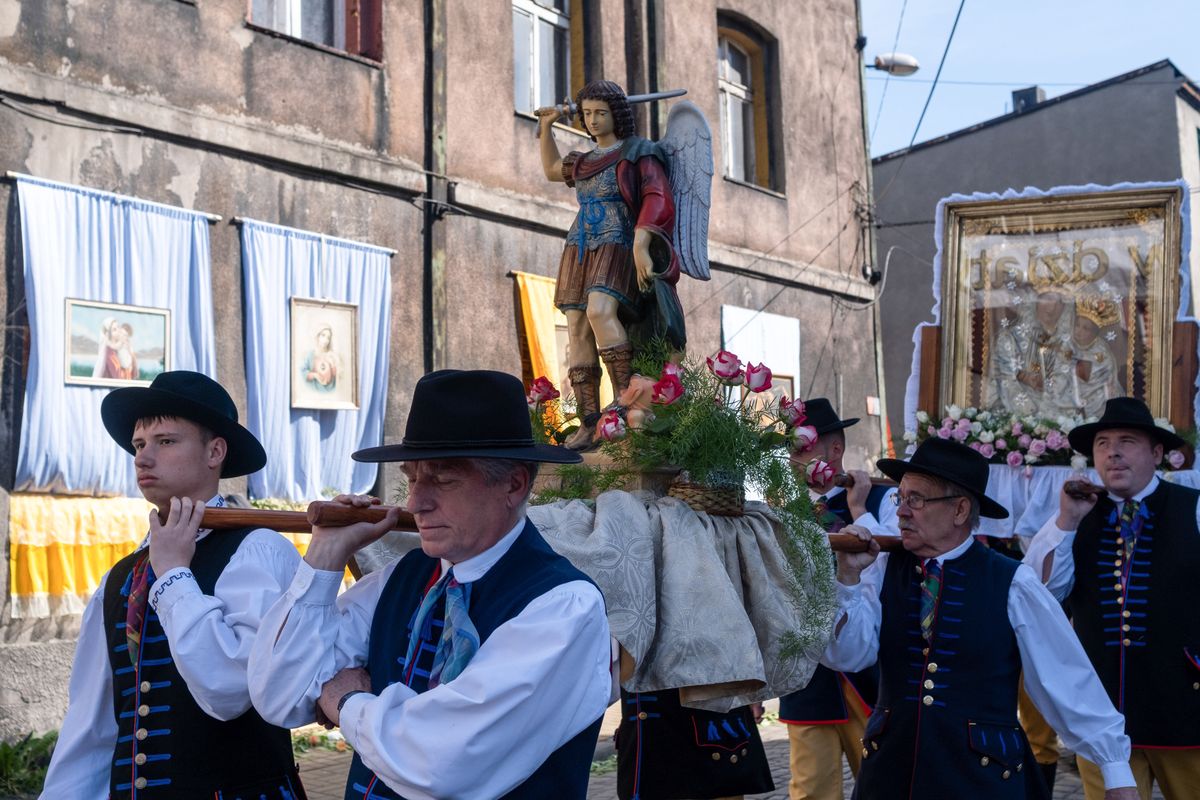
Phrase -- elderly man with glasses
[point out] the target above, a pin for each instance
(953, 625)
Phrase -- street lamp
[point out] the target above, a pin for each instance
(898, 64)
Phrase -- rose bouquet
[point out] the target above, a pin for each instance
(551, 423)
(1016, 440)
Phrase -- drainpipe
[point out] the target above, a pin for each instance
(437, 191)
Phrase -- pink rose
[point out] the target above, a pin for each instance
(1024, 440)
(667, 390)
(947, 422)
(987, 450)
(671, 368)
(540, 391)
(963, 424)
(1014, 459)
(1001, 444)
(727, 367)
(1055, 440)
(791, 411)
(1017, 429)
(818, 473)
(1176, 459)
(944, 432)
(1037, 447)
(803, 438)
(932, 431)
(974, 446)
(610, 427)
(960, 434)
(758, 377)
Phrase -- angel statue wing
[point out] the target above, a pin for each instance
(687, 146)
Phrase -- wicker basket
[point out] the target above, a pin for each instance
(722, 501)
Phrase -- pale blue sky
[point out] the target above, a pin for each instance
(1060, 45)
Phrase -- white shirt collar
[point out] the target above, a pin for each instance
(1145, 492)
(475, 567)
(950, 555)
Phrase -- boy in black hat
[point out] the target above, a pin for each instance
(953, 625)
(159, 706)
(825, 719)
(474, 667)
(1127, 563)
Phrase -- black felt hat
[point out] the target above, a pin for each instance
(191, 396)
(950, 461)
(1122, 412)
(469, 414)
(819, 413)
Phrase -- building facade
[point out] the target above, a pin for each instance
(408, 125)
(1137, 127)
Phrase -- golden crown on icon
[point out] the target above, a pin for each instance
(1099, 310)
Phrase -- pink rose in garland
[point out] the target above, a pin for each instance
(1015, 459)
(803, 437)
(610, 427)
(818, 472)
(727, 367)
(758, 377)
(541, 391)
(667, 390)
(791, 411)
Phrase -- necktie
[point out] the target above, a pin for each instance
(931, 587)
(140, 581)
(459, 639)
(1129, 510)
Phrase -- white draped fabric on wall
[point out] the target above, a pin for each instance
(92, 245)
(308, 451)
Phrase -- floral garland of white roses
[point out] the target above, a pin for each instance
(1013, 439)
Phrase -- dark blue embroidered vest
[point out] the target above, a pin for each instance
(1138, 620)
(946, 724)
(822, 700)
(167, 747)
(528, 570)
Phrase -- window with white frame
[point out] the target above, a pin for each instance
(541, 52)
(735, 82)
(349, 25)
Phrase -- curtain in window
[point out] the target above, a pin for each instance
(308, 451)
(91, 245)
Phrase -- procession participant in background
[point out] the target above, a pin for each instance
(159, 706)
(825, 719)
(474, 667)
(953, 624)
(1127, 563)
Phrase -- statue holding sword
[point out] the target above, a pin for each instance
(643, 218)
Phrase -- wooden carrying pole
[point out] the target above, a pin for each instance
(322, 512)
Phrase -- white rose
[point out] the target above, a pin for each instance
(1030, 458)
(923, 417)
(976, 427)
(1078, 462)
(954, 412)
(971, 412)
(910, 436)
(1164, 423)
(987, 437)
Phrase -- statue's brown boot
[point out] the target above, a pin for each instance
(617, 360)
(585, 381)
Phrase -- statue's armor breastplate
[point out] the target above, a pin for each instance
(603, 217)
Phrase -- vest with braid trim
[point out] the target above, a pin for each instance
(528, 570)
(822, 700)
(167, 746)
(1145, 668)
(945, 724)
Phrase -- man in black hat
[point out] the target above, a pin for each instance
(953, 624)
(825, 719)
(159, 704)
(474, 667)
(1127, 562)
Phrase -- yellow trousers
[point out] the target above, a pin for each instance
(1042, 738)
(816, 753)
(1177, 773)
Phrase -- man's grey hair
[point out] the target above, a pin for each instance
(498, 470)
(954, 490)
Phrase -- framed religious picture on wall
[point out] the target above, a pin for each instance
(1053, 304)
(108, 344)
(324, 358)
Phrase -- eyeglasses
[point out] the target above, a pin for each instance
(917, 501)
